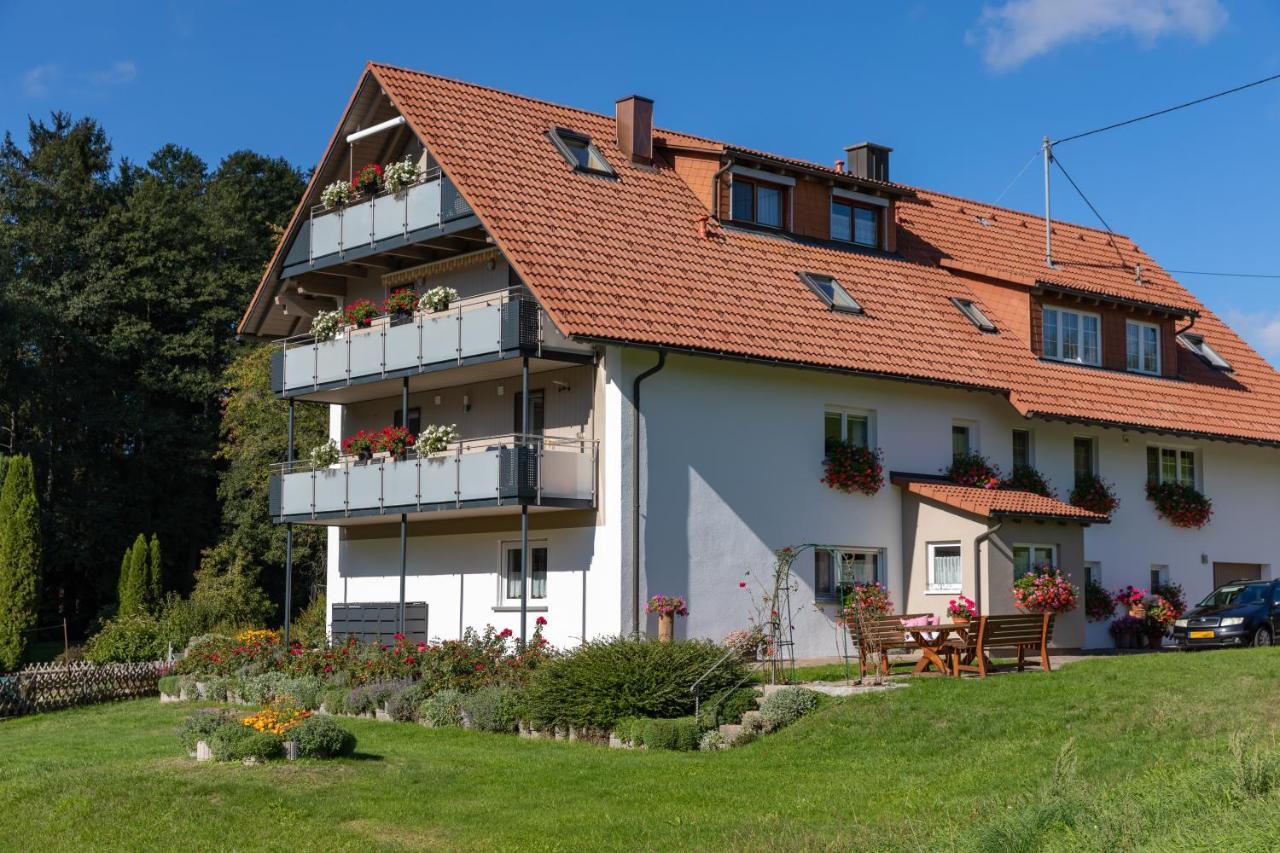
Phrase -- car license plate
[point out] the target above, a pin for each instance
(1201, 635)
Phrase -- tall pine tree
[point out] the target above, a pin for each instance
(134, 571)
(20, 556)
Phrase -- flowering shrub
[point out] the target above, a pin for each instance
(361, 444)
(394, 440)
(752, 643)
(852, 468)
(336, 194)
(1130, 597)
(1094, 494)
(1045, 590)
(326, 324)
(400, 301)
(435, 438)
(865, 601)
(962, 607)
(360, 313)
(1024, 478)
(277, 719)
(323, 455)
(368, 179)
(401, 175)
(1172, 593)
(1181, 504)
(667, 605)
(258, 638)
(1098, 603)
(973, 469)
(437, 298)
(1160, 613)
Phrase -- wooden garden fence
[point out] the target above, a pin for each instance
(48, 686)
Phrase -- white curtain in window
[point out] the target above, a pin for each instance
(946, 567)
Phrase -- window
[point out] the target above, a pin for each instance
(1027, 557)
(1159, 575)
(757, 201)
(1171, 465)
(1198, 345)
(970, 309)
(1084, 455)
(1071, 336)
(537, 412)
(853, 427)
(415, 419)
(961, 440)
(579, 151)
(857, 565)
(1142, 347)
(1092, 573)
(511, 572)
(944, 567)
(1022, 448)
(832, 292)
(855, 223)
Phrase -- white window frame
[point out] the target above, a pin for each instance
(845, 412)
(1159, 574)
(1139, 327)
(503, 550)
(931, 588)
(1032, 547)
(837, 573)
(1059, 339)
(1180, 450)
(1201, 347)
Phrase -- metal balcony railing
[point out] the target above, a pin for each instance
(493, 471)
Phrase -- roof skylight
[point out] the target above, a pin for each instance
(832, 292)
(970, 309)
(581, 153)
(1198, 345)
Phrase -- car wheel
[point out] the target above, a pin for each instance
(1262, 637)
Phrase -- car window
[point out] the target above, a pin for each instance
(1236, 594)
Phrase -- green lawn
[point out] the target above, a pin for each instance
(1126, 753)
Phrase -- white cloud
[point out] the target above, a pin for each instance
(1260, 329)
(119, 73)
(36, 82)
(1018, 30)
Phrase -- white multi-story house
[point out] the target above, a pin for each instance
(657, 334)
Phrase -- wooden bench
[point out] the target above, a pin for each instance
(877, 636)
(1023, 632)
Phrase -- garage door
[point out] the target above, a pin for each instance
(1228, 572)
(379, 620)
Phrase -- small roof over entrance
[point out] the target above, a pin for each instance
(994, 503)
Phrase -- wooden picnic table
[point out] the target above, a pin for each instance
(932, 646)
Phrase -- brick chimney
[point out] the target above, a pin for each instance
(868, 160)
(635, 127)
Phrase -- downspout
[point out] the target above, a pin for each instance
(715, 189)
(635, 489)
(978, 542)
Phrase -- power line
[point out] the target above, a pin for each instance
(1168, 110)
(1085, 198)
(1225, 274)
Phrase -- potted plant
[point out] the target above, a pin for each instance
(324, 455)
(438, 299)
(435, 438)
(326, 325)
(668, 607)
(1045, 589)
(337, 194)
(1094, 494)
(394, 441)
(359, 445)
(1182, 504)
(401, 175)
(1098, 602)
(1172, 593)
(360, 313)
(1161, 615)
(368, 180)
(1125, 631)
(973, 469)
(962, 610)
(1132, 600)
(400, 305)
(1024, 478)
(853, 468)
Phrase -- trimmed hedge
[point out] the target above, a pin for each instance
(323, 737)
(682, 734)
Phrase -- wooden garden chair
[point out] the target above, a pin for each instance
(878, 636)
(1023, 632)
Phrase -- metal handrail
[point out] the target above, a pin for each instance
(458, 448)
(427, 176)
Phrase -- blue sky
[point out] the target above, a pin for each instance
(962, 92)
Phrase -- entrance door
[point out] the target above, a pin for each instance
(537, 411)
(1224, 573)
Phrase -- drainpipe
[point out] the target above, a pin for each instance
(715, 189)
(977, 563)
(635, 489)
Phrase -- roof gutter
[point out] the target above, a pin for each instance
(635, 489)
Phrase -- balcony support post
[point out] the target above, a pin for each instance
(404, 402)
(524, 505)
(288, 545)
(404, 534)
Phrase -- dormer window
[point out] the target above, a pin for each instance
(759, 197)
(580, 152)
(1198, 345)
(1142, 347)
(971, 310)
(855, 223)
(1071, 336)
(832, 292)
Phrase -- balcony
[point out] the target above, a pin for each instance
(478, 329)
(427, 209)
(495, 474)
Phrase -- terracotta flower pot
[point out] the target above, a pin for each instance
(960, 620)
(666, 627)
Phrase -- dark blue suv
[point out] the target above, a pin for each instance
(1243, 613)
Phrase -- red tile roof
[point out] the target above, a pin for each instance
(996, 502)
(625, 260)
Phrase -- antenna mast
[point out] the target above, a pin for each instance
(1048, 227)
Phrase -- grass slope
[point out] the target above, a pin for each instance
(1129, 753)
